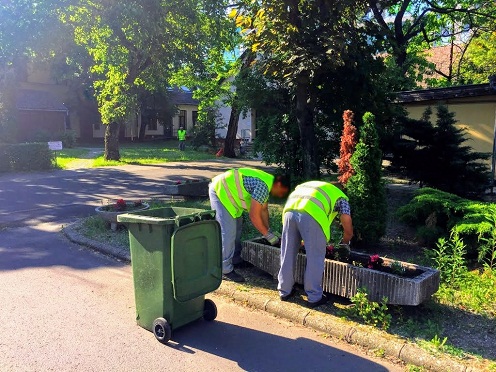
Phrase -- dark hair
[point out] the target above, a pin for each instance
(283, 179)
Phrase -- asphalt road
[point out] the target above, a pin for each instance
(67, 308)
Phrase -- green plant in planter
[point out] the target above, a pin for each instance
(397, 268)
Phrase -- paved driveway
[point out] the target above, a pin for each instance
(67, 308)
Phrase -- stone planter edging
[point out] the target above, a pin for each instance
(111, 216)
(344, 279)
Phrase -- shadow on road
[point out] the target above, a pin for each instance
(34, 246)
(255, 350)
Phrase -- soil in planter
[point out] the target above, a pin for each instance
(363, 260)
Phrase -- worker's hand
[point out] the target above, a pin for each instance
(345, 246)
(272, 238)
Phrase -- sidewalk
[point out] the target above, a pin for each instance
(368, 337)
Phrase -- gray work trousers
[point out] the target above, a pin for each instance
(230, 230)
(299, 226)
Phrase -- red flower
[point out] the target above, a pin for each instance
(374, 261)
(120, 205)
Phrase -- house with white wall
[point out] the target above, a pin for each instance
(246, 124)
(162, 117)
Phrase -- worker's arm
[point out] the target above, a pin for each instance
(347, 228)
(259, 216)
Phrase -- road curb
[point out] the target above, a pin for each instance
(351, 332)
(71, 233)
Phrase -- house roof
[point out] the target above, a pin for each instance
(436, 94)
(443, 57)
(37, 100)
(180, 96)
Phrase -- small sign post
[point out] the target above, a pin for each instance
(54, 146)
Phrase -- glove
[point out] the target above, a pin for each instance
(345, 246)
(272, 238)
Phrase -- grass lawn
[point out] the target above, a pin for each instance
(133, 153)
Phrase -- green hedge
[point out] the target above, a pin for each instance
(25, 157)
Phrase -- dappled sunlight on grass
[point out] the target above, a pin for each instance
(153, 155)
(67, 156)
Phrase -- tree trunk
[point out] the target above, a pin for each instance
(112, 141)
(232, 130)
(142, 129)
(304, 117)
(247, 59)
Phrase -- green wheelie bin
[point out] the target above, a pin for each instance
(176, 258)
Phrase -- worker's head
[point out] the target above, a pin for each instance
(280, 187)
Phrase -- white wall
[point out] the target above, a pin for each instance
(245, 125)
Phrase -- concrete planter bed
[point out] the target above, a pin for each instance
(187, 187)
(344, 279)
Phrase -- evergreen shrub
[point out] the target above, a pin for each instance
(437, 214)
(347, 147)
(365, 187)
(437, 155)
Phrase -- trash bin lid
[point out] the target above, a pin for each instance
(196, 252)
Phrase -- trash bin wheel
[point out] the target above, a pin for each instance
(162, 330)
(209, 310)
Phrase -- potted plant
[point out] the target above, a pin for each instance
(109, 212)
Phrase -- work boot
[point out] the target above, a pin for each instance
(233, 276)
(242, 265)
(288, 296)
(322, 301)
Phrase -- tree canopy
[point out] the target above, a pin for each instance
(138, 45)
(409, 27)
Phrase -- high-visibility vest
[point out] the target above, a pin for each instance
(181, 134)
(318, 199)
(231, 192)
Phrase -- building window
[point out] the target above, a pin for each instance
(182, 118)
(152, 124)
(194, 117)
(96, 126)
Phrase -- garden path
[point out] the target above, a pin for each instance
(87, 160)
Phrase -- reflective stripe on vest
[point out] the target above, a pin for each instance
(297, 195)
(239, 189)
(304, 199)
(231, 192)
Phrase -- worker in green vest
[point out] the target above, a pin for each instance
(237, 191)
(307, 215)
(181, 136)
